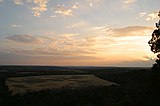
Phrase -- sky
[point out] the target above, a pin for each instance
(77, 32)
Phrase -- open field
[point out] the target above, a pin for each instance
(20, 85)
(78, 86)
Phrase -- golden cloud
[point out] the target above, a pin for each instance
(152, 16)
(69, 35)
(37, 6)
(148, 16)
(65, 44)
(64, 11)
(116, 45)
(41, 6)
(127, 31)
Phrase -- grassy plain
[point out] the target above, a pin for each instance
(89, 86)
(20, 85)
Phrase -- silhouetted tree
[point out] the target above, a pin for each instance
(155, 44)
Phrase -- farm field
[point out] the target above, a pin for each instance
(20, 85)
(78, 86)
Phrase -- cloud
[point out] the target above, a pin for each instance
(40, 51)
(53, 16)
(8, 58)
(64, 45)
(18, 2)
(75, 6)
(78, 25)
(127, 31)
(1, 1)
(152, 16)
(148, 16)
(113, 47)
(70, 8)
(36, 6)
(142, 14)
(127, 3)
(16, 25)
(62, 10)
(40, 6)
(70, 35)
(24, 39)
(91, 4)
(102, 28)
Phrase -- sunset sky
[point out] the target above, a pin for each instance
(77, 32)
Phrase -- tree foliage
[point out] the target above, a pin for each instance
(155, 41)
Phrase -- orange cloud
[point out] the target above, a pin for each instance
(41, 6)
(126, 31)
(122, 44)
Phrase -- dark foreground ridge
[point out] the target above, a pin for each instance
(137, 87)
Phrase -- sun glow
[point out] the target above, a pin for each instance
(86, 32)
